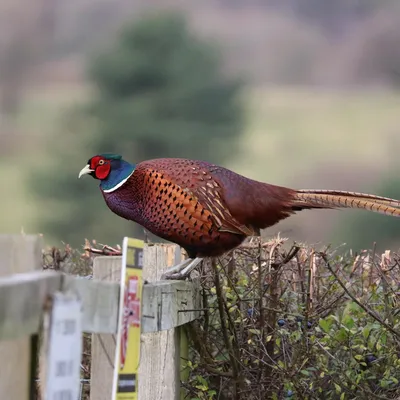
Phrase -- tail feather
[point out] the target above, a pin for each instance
(384, 200)
(343, 199)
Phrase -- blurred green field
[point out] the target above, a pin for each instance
(294, 136)
(292, 131)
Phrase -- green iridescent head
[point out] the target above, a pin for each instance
(110, 169)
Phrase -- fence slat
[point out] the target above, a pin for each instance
(100, 302)
(103, 345)
(19, 253)
(160, 351)
(165, 302)
(22, 297)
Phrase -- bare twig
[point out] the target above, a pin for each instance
(228, 344)
(104, 251)
(365, 308)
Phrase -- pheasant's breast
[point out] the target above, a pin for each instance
(174, 212)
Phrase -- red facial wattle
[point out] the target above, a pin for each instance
(102, 171)
(101, 167)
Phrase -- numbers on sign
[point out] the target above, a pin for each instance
(64, 368)
(140, 259)
(64, 350)
(66, 326)
(63, 395)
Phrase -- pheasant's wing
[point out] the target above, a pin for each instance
(209, 194)
(193, 185)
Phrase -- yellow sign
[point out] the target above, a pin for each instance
(127, 355)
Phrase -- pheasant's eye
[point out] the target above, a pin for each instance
(101, 162)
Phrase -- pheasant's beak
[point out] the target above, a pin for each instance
(85, 170)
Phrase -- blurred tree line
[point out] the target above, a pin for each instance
(335, 16)
(359, 37)
(159, 92)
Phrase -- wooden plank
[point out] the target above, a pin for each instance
(100, 302)
(165, 302)
(103, 345)
(19, 253)
(160, 352)
(22, 297)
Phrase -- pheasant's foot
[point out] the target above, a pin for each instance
(182, 270)
(176, 268)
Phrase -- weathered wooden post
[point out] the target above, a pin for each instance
(163, 314)
(103, 344)
(19, 253)
(159, 370)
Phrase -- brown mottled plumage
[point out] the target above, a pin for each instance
(208, 209)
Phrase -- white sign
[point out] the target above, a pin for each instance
(64, 348)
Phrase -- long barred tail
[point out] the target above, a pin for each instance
(342, 199)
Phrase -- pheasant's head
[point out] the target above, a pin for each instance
(110, 169)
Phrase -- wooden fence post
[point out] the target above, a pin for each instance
(159, 369)
(19, 253)
(160, 351)
(103, 345)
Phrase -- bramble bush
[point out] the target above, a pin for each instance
(297, 323)
(283, 322)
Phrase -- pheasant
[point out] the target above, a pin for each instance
(207, 209)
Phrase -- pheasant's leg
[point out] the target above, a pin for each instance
(181, 270)
(176, 268)
(188, 269)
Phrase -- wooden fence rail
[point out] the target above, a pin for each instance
(24, 291)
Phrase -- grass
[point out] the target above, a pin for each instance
(43, 109)
(294, 136)
(302, 128)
